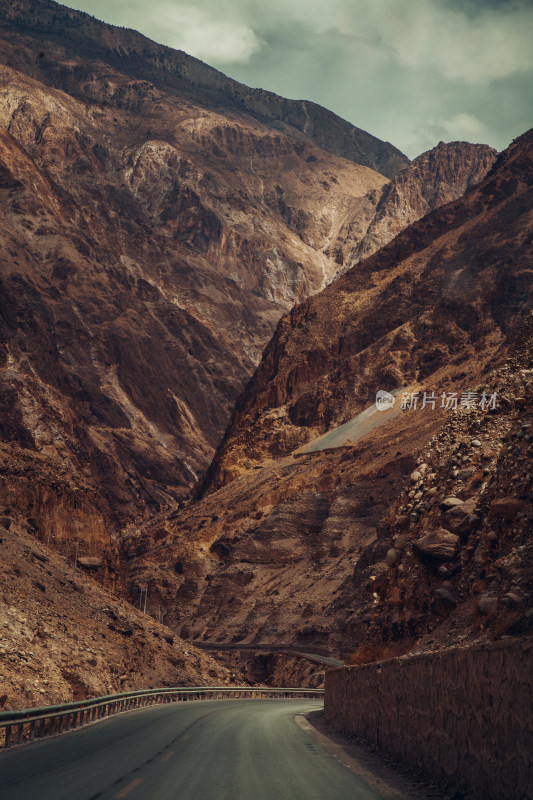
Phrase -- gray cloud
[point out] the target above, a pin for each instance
(409, 71)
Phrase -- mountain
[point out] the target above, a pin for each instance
(149, 244)
(158, 219)
(66, 637)
(435, 304)
(428, 182)
(61, 30)
(335, 524)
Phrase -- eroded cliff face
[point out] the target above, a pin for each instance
(414, 538)
(276, 547)
(443, 294)
(149, 64)
(148, 246)
(65, 637)
(432, 179)
(158, 219)
(358, 546)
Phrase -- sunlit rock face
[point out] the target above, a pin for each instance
(442, 295)
(154, 228)
(415, 534)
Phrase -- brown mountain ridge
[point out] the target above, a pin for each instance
(353, 545)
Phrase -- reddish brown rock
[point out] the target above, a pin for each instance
(432, 179)
(149, 242)
(437, 547)
(462, 519)
(508, 507)
(401, 317)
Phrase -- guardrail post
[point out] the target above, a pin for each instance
(8, 736)
(20, 728)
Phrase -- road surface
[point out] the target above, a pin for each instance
(210, 750)
(257, 647)
(353, 430)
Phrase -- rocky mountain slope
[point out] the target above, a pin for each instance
(66, 637)
(157, 220)
(78, 34)
(148, 247)
(359, 544)
(432, 179)
(416, 537)
(436, 303)
(460, 558)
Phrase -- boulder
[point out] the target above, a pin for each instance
(395, 597)
(507, 507)
(401, 541)
(444, 602)
(90, 562)
(437, 547)
(462, 519)
(450, 502)
(487, 604)
(512, 599)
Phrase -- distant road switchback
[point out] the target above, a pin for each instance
(206, 750)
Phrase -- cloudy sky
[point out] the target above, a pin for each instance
(412, 72)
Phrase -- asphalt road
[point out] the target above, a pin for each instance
(257, 647)
(211, 750)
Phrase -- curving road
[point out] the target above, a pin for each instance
(258, 647)
(210, 750)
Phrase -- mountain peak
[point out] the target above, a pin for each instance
(77, 33)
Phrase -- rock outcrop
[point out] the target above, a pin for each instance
(65, 637)
(148, 245)
(430, 308)
(432, 179)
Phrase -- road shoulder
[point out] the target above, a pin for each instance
(382, 774)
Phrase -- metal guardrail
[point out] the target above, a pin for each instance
(28, 724)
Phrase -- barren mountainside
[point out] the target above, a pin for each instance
(161, 225)
(148, 247)
(134, 55)
(446, 292)
(150, 240)
(432, 179)
(411, 531)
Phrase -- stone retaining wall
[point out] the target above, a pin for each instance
(464, 716)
